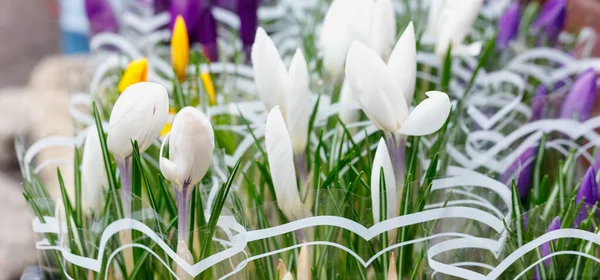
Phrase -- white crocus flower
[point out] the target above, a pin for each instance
(450, 21)
(93, 173)
(139, 114)
(382, 160)
(280, 87)
(281, 164)
(383, 100)
(372, 22)
(191, 145)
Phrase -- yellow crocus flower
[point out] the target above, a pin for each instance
(209, 87)
(180, 48)
(136, 72)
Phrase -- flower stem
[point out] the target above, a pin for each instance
(183, 208)
(124, 166)
(396, 145)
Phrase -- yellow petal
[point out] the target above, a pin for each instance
(209, 87)
(136, 72)
(172, 111)
(180, 48)
(166, 129)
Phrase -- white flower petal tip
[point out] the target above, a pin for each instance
(191, 145)
(383, 27)
(139, 114)
(288, 276)
(429, 116)
(382, 160)
(281, 164)
(304, 264)
(93, 173)
(270, 75)
(471, 50)
(403, 62)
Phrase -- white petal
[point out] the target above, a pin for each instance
(191, 145)
(344, 22)
(347, 114)
(383, 27)
(270, 75)
(403, 63)
(435, 20)
(139, 114)
(459, 19)
(429, 116)
(298, 107)
(382, 160)
(363, 71)
(288, 276)
(304, 264)
(93, 173)
(281, 165)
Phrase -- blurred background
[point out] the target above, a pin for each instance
(43, 48)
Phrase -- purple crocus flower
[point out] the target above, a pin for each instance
(552, 19)
(101, 17)
(545, 248)
(582, 97)
(230, 5)
(588, 193)
(189, 10)
(206, 33)
(248, 12)
(538, 102)
(508, 26)
(523, 168)
(161, 5)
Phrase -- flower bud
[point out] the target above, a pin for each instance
(304, 272)
(136, 72)
(382, 160)
(281, 164)
(552, 19)
(138, 115)
(93, 173)
(180, 48)
(580, 101)
(191, 145)
(522, 169)
(508, 26)
(101, 17)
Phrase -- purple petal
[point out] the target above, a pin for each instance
(206, 33)
(582, 97)
(552, 18)
(522, 168)
(545, 248)
(508, 26)
(189, 10)
(230, 5)
(588, 193)
(538, 102)
(248, 12)
(161, 5)
(101, 17)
